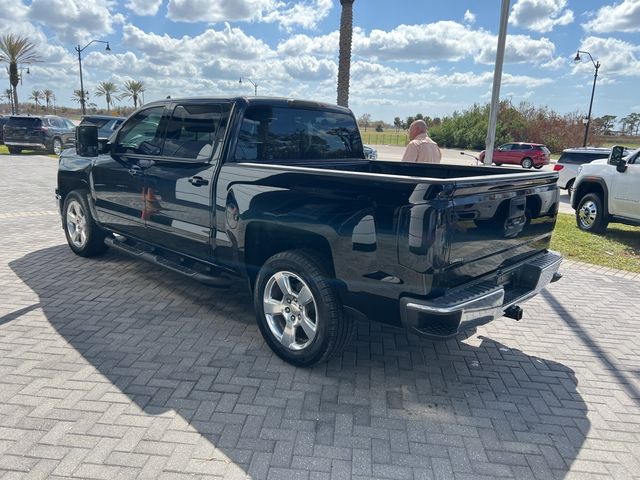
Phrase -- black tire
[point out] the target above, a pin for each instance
(333, 328)
(14, 150)
(497, 164)
(537, 167)
(86, 238)
(526, 162)
(56, 146)
(590, 214)
(570, 188)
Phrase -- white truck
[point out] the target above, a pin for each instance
(608, 190)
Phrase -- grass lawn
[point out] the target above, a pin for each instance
(384, 138)
(5, 151)
(618, 248)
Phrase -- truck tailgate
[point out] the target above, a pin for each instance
(492, 223)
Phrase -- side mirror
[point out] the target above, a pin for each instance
(616, 158)
(104, 146)
(87, 140)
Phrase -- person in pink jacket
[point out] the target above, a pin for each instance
(421, 148)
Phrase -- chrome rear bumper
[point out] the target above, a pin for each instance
(479, 302)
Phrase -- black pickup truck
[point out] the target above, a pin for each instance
(279, 192)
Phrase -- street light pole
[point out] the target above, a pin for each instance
(80, 50)
(596, 65)
(255, 85)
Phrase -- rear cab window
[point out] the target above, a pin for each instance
(272, 134)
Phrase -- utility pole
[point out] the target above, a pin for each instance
(497, 79)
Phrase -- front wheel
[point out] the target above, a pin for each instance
(570, 188)
(537, 167)
(84, 236)
(526, 163)
(298, 309)
(590, 214)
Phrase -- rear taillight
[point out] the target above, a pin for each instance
(557, 168)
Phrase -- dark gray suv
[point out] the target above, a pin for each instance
(46, 132)
(106, 124)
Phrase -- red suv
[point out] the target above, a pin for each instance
(526, 154)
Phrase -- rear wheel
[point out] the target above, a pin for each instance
(526, 163)
(56, 146)
(570, 188)
(497, 164)
(84, 236)
(14, 150)
(298, 309)
(590, 214)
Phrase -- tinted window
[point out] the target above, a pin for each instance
(579, 158)
(270, 134)
(140, 134)
(25, 122)
(98, 122)
(192, 131)
(69, 123)
(117, 123)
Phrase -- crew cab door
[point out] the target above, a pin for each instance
(625, 190)
(180, 184)
(117, 179)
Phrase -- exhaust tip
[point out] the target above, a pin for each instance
(515, 312)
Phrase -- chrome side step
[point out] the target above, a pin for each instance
(219, 281)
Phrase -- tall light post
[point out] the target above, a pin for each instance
(596, 64)
(255, 85)
(80, 50)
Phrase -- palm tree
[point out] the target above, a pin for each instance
(36, 96)
(108, 91)
(8, 94)
(133, 89)
(48, 97)
(344, 60)
(77, 96)
(13, 50)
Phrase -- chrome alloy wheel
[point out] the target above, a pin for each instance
(77, 224)
(57, 146)
(588, 214)
(290, 310)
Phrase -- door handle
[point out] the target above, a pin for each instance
(198, 181)
(135, 170)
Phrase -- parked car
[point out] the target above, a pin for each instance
(519, 153)
(607, 191)
(370, 153)
(106, 124)
(47, 132)
(278, 192)
(3, 120)
(571, 159)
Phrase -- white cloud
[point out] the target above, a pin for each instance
(619, 58)
(308, 68)
(305, 15)
(75, 20)
(446, 40)
(520, 49)
(621, 17)
(144, 7)
(540, 15)
(469, 17)
(288, 14)
(228, 43)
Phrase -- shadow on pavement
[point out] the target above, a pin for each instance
(391, 403)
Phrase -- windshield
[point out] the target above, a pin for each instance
(271, 134)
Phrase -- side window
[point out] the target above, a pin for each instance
(192, 131)
(69, 123)
(141, 133)
(505, 148)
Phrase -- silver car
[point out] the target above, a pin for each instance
(571, 159)
(370, 153)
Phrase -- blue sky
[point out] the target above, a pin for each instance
(408, 57)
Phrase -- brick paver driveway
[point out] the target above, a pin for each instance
(111, 368)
